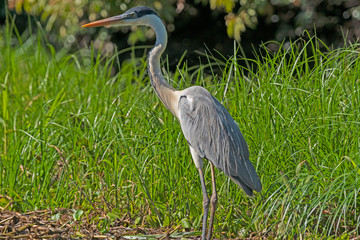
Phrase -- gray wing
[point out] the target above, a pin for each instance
(213, 133)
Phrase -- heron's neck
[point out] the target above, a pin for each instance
(162, 88)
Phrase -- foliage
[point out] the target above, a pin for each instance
(64, 18)
(291, 17)
(87, 132)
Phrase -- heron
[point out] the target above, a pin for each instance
(208, 128)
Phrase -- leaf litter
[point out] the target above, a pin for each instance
(64, 223)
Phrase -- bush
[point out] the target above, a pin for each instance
(292, 17)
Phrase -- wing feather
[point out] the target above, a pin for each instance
(214, 135)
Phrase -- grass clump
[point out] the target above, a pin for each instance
(87, 132)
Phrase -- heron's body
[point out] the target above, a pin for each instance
(209, 129)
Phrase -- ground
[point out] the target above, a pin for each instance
(43, 225)
(60, 224)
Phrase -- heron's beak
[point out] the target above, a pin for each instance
(106, 22)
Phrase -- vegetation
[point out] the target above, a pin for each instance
(87, 132)
(291, 18)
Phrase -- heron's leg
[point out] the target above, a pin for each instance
(199, 165)
(213, 201)
(206, 202)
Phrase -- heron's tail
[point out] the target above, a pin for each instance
(247, 178)
(249, 191)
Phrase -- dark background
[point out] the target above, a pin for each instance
(335, 22)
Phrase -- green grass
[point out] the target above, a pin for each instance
(78, 134)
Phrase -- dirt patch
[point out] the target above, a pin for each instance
(61, 224)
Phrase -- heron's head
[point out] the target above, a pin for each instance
(133, 17)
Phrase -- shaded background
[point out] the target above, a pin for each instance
(192, 25)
